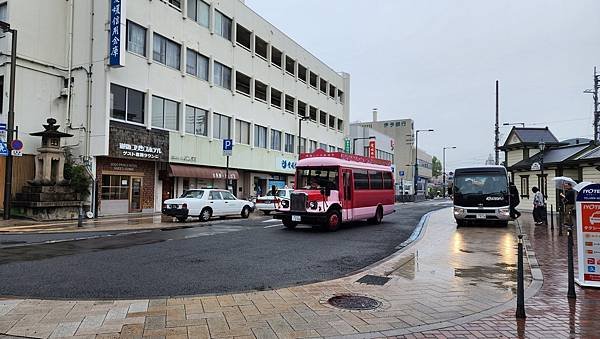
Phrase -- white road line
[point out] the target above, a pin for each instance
(271, 220)
(270, 226)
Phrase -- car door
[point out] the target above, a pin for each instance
(215, 201)
(232, 205)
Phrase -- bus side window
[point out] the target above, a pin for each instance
(387, 180)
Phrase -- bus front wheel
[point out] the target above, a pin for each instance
(288, 223)
(333, 221)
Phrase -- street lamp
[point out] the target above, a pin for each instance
(302, 118)
(354, 142)
(542, 146)
(416, 174)
(444, 167)
(514, 124)
(5, 27)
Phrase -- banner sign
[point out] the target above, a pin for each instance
(116, 35)
(347, 146)
(372, 149)
(588, 235)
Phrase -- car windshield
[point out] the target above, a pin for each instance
(282, 193)
(481, 184)
(317, 178)
(192, 194)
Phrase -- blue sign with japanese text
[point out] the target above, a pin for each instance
(589, 193)
(116, 33)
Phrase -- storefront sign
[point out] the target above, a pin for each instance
(285, 164)
(123, 167)
(588, 235)
(128, 141)
(184, 158)
(347, 146)
(372, 149)
(117, 33)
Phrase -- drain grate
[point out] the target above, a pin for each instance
(370, 279)
(354, 302)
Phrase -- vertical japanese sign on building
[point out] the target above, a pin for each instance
(116, 35)
(588, 235)
(372, 149)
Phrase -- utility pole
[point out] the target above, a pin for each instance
(497, 131)
(11, 120)
(594, 92)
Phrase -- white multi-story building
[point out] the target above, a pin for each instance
(149, 88)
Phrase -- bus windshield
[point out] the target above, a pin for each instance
(315, 178)
(489, 183)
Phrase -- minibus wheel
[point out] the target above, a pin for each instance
(333, 221)
(288, 223)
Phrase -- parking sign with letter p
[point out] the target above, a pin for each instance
(227, 147)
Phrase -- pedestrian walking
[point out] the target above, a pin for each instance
(568, 200)
(539, 207)
(514, 201)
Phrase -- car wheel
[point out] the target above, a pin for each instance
(266, 212)
(288, 223)
(333, 221)
(376, 220)
(245, 212)
(205, 214)
(181, 219)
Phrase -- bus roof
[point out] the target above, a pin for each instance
(481, 169)
(322, 158)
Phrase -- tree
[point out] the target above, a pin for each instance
(436, 167)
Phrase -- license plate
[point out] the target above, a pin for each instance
(480, 216)
(296, 218)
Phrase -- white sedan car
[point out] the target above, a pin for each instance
(270, 203)
(206, 203)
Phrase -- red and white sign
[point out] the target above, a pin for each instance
(372, 149)
(588, 235)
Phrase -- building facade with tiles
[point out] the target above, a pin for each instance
(150, 88)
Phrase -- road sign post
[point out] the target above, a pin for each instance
(227, 151)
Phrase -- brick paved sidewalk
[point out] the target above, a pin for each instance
(549, 313)
(448, 277)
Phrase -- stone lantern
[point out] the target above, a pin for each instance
(50, 162)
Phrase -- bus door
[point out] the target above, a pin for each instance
(346, 198)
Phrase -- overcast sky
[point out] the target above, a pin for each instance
(437, 61)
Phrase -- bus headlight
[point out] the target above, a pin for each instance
(312, 205)
(459, 211)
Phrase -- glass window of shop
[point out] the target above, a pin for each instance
(115, 187)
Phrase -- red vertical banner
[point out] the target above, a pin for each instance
(372, 149)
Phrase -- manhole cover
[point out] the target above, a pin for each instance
(354, 302)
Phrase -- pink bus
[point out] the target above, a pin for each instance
(334, 187)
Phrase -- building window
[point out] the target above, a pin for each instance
(525, 186)
(276, 57)
(175, 3)
(525, 153)
(222, 25)
(301, 73)
(260, 91)
(115, 187)
(313, 113)
(313, 80)
(275, 98)
(323, 86)
(313, 146)
(260, 47)
(196, 64)
(543, 184)
(196, 121)
(290, 65)
(127, 104)
(340, 125)
(166, 51)
(301, 108)
(221, 126)
(222, 75)
(165, 113)
(242, 132)
(198, 11)
(331, 148)
(289, 143)
(260, 136)
(323, 118)
(341, 97)
(275, 140)
(323, 146)
(242, 83)
(4, 12)
(289, 103)
(331, 121)
(331, 91)
(243, 36)
(136, 38)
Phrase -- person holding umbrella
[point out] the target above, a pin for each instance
(568, 199)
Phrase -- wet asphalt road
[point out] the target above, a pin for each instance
(221, 257)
